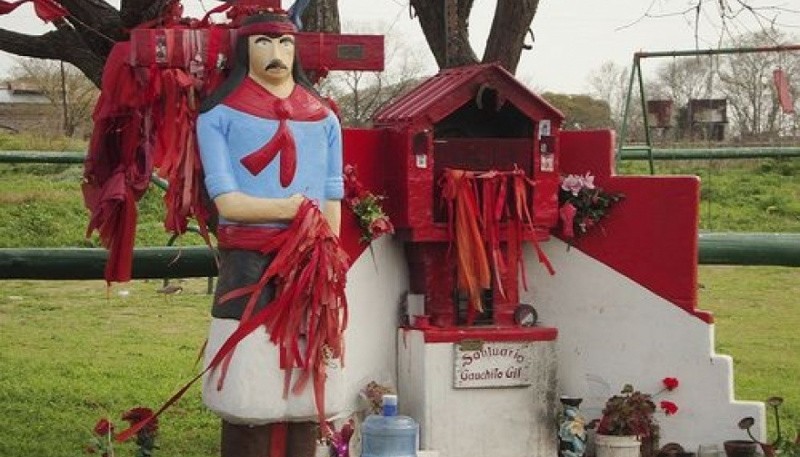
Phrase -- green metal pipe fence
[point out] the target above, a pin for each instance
(781, 249)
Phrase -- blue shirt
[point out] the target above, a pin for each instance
(226, 135)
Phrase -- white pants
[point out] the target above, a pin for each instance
(252, 392)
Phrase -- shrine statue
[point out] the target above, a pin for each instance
(272, 155)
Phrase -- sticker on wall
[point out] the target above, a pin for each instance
(544, 127)
(547, 157)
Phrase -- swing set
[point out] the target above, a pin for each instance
(713, 109)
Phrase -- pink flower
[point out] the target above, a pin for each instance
(588, 180)
(668, 407)
(670, 383)
(572, 184)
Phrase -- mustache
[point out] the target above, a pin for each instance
(276, 63)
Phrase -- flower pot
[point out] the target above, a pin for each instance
(740, 448)
(617, 446)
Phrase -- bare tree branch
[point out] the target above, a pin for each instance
(61, 44)
(134, 12)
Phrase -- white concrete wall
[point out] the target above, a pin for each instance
(497, 422)
(375, 288)
(613, 331)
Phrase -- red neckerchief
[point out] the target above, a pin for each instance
(300, 105)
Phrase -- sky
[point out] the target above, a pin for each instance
(573, 38)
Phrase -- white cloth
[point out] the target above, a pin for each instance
(252, 391)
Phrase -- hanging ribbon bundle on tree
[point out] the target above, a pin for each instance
(474, 224)
(145, 120)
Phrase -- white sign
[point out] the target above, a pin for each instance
(492, 364)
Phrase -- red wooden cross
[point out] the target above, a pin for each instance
(209, 47)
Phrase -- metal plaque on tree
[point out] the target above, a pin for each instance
(486, 364)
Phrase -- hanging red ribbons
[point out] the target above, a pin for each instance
(784, 93)
(309, 271)
(474, 226)
(47, 10)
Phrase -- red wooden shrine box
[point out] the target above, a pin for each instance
(477, 118)
(212, 47)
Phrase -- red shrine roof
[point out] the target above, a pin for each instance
(450, 89)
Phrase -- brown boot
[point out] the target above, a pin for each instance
(245, 440)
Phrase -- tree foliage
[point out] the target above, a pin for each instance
(581, 112)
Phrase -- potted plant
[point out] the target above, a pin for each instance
(628, 427)
(781, 445)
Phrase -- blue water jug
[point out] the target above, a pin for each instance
(389, 435)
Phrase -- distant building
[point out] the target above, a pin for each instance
(25, 108)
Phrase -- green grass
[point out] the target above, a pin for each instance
(42, 205)
(71, 355)
(739, 195)
(757, 322)
(36, 142)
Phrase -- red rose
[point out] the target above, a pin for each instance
(668, 407)
(103, 427)
(380, 226)
(670, 383)
(353, 189)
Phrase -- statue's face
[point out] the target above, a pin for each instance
(271, 58)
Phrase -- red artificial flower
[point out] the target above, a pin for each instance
(567, 215)
(380, 226)
(670, 383)
(668, 407)
(136, 415)
(103, 427)
(354, 190)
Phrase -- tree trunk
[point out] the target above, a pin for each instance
(451, 48)
(450, 45)
(512, 20)
(322, 16)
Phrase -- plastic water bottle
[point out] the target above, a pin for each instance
(389, 435)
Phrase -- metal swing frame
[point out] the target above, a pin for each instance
(648, 152)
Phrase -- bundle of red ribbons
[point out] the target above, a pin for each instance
(477, 202)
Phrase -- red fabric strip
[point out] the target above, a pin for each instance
(267, 28)
(784, 93)
(310, 269)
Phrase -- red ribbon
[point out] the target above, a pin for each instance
(282, 142)
(310, 270)
(267, 28)
(47, 10)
